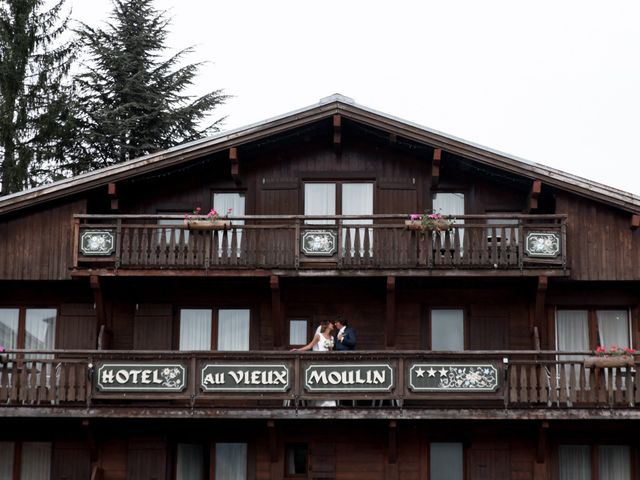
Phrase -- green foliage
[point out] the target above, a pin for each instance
(132, 99)
(35, 124)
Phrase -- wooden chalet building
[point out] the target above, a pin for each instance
(138, 346)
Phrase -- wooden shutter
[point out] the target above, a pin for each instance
(147, 459)
(77, 327)
(71, 461)
(153, 327)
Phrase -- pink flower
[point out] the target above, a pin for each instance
(229, 210)
(415, 216)
(198, 209)
(435, 216)
(1, 349)
(600, 349)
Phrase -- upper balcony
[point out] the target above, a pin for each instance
(295, 244)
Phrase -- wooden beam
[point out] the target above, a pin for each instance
(235, 166)
(541, 451)
(393, 138)
(273, 441)
(98, 298)
(435, 167)
(393, 441)
(536, 188)
(635, 222)
(337, 134)
(112, 192)
(540, 307)
(391, 312)
(276, 311)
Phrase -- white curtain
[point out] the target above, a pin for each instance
(222, 202)
(40, 333)
(9, 327)
(6, 460)
(190, 462)
(231, 461)
(614, 462)
(195, 329)
(574, 462)
(298, 332)
(357, 199)
(613, 328)
(446, 461)
(447, 330)
(320, 199)
(450, 204)
(36, 461)
(233, 329)
(572, 331)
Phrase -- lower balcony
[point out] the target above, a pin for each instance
(401, 384)
(503, 244)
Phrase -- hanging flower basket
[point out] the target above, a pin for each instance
(609, 361)
(208, 224)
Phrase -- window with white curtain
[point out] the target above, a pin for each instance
(230, 204)
(575, 462)
(7, 450)
(233, 328)
(231, 461)
(357, 199)
(9, 318)
(35, 461)
(190, 462)
(320, 199)
(614, 328)
(572, 332)
(195, 329)
(36, 325)
(446, 461)
(447, 330)
(449, 204)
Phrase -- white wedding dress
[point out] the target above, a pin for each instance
(323, 345)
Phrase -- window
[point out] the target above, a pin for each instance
(296, 458)
(28, 328)
(298, 332)
(231, 332)
(342, 198)
(446, 461)
(583, 330)
(575, 462)
(448, 203)
(447, 329)
(32, 460)
(232, 204)
(190, 462)
(231, 461)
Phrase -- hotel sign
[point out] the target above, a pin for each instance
(349, 377)
(140, 377)
(245, 377)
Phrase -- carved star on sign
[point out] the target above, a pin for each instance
(443, 372)
(431, 372)
(420, 372)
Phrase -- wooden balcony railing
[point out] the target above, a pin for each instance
(277, 380)
(507, 242)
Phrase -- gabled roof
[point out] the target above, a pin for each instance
(333, 105)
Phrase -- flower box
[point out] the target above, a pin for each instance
(437, 225)
(4, 357)
(208, 224)
(609, 361)
(413, 224)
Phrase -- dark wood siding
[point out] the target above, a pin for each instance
(147, 459)
(37, 244)
(70, 461)
(153, 327)
(77, 327)
(600, 242)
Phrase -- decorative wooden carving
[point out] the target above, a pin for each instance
(235, 166)
(635, 222)
(435, 167)
(536, 188)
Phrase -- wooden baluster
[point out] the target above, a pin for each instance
(533, 384)
(4, 382)
(172, 254)
(24, 382)
(71, 392)
(125, 256)
(628, 384)
(182, 247)
(32, 378)
(53, 382)
(636, 386)
(456, 256)
(160, 239)
(233, 247)
(244, 251)
(145, 257)
(493, 254)
(553, 385)
(513, 384)
(42, 388)
(15, 382)
(574, 370)
(563, 384)
(82, 382)
(347, 247)
(355, 248)
(504, 245)
(601, 385)
(367, 246)
(62, 388)
(544, 382)
(618, 394)
(135, 248)
(523, 384)
(583, 384)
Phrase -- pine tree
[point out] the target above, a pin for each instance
(132, 95)
(35, 125)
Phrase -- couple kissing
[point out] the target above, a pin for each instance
(337, 335)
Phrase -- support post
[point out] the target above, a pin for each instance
(235, 166)
(276, 311)
(536, 188)
(541, 298)
(391, 312)
(393, 442)
(273, 441)
(112, 192)
(635, 222)
(98, 298)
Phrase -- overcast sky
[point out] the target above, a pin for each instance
(554, 82)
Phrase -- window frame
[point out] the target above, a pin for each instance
(16, 468)
(338, 184)
(213, 345)
(594, 450)
(287, 475)
(465, 325)
(592, 322)
(289, 319)
(22, 323)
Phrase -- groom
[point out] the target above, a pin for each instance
(345, 336)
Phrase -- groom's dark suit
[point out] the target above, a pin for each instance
(348, 342)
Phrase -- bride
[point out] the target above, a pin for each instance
(322, 342)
